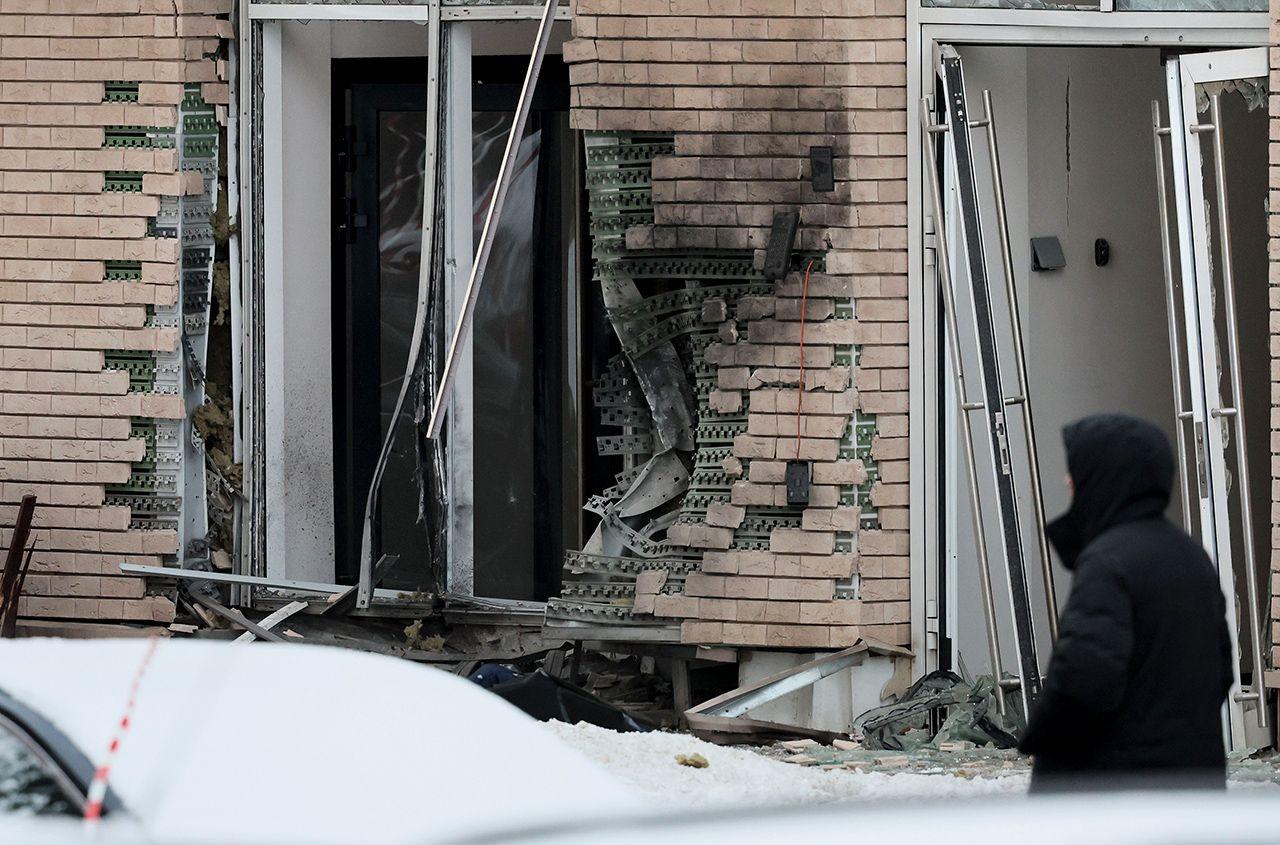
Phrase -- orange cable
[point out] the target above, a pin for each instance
(804, 298)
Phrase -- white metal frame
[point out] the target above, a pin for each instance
(926, 29)
(271, 261)
(1209, 414)
(265, 18)
(459, 250)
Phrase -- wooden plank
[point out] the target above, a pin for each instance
(273, 620)
(235, 617)
(680, 693)
(16, 562)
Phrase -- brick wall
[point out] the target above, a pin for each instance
(83, 276)
(747, 87)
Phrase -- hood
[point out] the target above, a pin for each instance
(1122, 470)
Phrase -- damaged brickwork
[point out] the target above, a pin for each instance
(98, 297)
(745, 88)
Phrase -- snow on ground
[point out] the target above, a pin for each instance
(737, 776)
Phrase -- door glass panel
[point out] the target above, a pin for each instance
(1216, 122)
(401, 152)
(1245, 132)
(523, 420)
(503, 382)
(379, 206)
(521, 321)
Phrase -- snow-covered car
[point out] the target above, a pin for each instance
(233, 743)
(1169, 818)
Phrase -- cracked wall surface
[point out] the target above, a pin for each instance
(744, 88)
(108, 125)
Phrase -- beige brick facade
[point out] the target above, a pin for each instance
(77, 198)
(747, 87)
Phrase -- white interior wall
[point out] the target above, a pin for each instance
(300, 534)
(1098, 336)
(1077, 159)
(300, 491)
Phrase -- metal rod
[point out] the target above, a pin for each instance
(364, 595)
(1020, 358)
(1175, 347)
(252, 580)
(236, 305)
(957, 370)
(1237, 392)
(505, 172)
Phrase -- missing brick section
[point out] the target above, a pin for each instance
(186, 480)
(708, 401)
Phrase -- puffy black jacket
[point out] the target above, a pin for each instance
(1134, 692)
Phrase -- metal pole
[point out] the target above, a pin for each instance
(1236, 414)
(1175, 354)
(463, 326)
(364, 593)
(1024, 390)
(957, 371)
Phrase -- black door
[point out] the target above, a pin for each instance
(525, 438)
(523, 433)
(381, 141)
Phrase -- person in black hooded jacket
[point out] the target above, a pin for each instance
(1133, 694)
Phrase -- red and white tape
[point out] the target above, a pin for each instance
(98, 786)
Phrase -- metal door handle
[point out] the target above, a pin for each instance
(1024, 398)
(1236, 414)
(1175, 351)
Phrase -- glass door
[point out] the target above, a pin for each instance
(1211, 136)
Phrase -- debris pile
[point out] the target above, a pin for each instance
(960, 759)
(942, 709)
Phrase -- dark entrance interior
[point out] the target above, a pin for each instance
(526, 435)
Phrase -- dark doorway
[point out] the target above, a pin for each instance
(523, 431)
(380, 135)
(525, 434)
